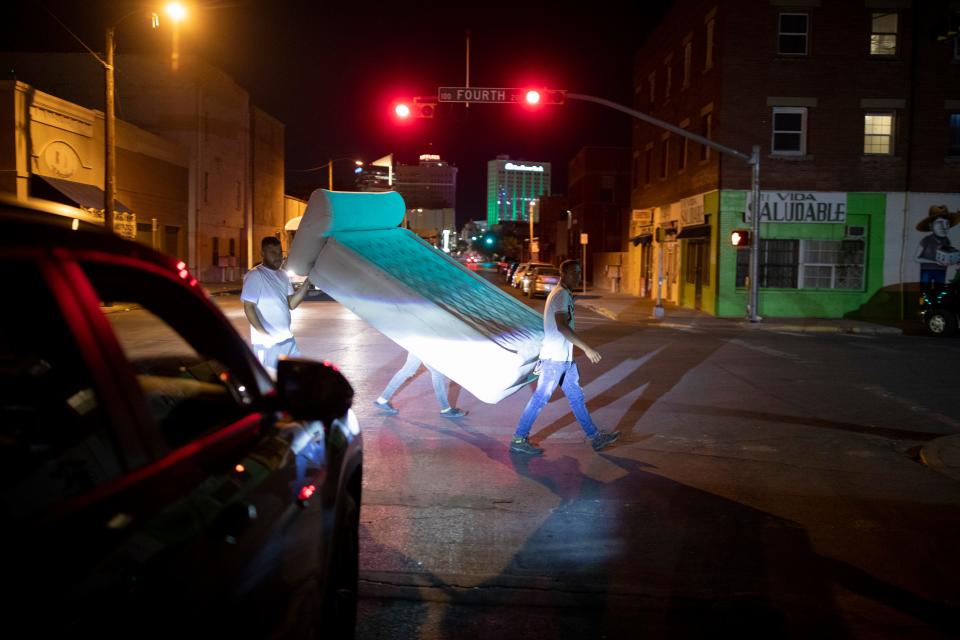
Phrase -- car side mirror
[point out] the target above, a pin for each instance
(312, 390)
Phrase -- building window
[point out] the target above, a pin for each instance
(215, 252)
(668, 77)
(687, 61)
(831, 264)
(807, 264)
(706, 128)
(636, 169)
(648, 164)
(708, 46)
(789, 131)
(792, 34)
(652, 81)
(953, 143)
(682, 148)
(878, 134)
(883, 34)
(779, 260)
(664, 158)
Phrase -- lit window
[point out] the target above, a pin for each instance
(793, 33)
(878, 134)
(883, 34)
(789, 131)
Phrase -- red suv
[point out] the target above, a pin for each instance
(155, 479)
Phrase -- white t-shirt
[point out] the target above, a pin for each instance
(268, 289)
(555, 346)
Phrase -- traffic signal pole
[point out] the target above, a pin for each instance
(753, 159)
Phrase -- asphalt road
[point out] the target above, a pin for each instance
(766, 485)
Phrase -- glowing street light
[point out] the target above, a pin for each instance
(402, 110)
(532, 96)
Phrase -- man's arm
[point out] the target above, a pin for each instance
(571, 335)
(294, 299)
(250, 310)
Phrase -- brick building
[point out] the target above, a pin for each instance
(598, 195)
(855, 105)
(236, 153)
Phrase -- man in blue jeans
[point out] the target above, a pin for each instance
(558, 367)
(406, 372)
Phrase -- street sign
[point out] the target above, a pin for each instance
(498, 95)
(492, 95)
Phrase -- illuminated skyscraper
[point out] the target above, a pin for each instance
(512, 185)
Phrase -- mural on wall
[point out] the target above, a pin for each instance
(935, 255)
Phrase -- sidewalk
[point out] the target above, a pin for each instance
(633, 309)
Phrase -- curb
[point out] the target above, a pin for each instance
(772, 325)
(943, 455)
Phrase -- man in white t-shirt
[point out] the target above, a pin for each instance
(558, 367)
(267, 299)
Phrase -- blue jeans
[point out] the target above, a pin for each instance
(567, 376)
(406, 372)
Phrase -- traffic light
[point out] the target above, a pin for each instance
(419, 107)
(537, 97)
(740, 238)
(424, 107)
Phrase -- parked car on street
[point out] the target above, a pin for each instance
(517, 278)
(156, 481)
(539, 280)
(512, 269)
(940, 309)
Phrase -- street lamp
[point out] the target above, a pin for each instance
(177, 13)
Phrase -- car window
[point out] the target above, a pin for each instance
(189, 366)
(55, 440)
(548, 271)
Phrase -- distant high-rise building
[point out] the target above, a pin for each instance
(431, 184)
(513, 186)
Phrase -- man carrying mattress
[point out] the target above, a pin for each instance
(558, 367)
(268, 297)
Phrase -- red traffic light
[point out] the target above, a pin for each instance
(537, 97)
(417, 108)
(740, 238)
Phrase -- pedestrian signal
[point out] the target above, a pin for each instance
(740, 238)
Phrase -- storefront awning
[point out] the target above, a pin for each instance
(83, 195)
(643, 238)
(695, 231)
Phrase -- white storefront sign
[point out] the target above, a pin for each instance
(800, 206)
(691, 211)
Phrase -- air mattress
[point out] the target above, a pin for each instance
(351, 246)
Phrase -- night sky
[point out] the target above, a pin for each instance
(330, 72)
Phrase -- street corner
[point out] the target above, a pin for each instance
(943, 455)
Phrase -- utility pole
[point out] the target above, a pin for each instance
(109, 136)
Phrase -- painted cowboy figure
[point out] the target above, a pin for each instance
(934, 252)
